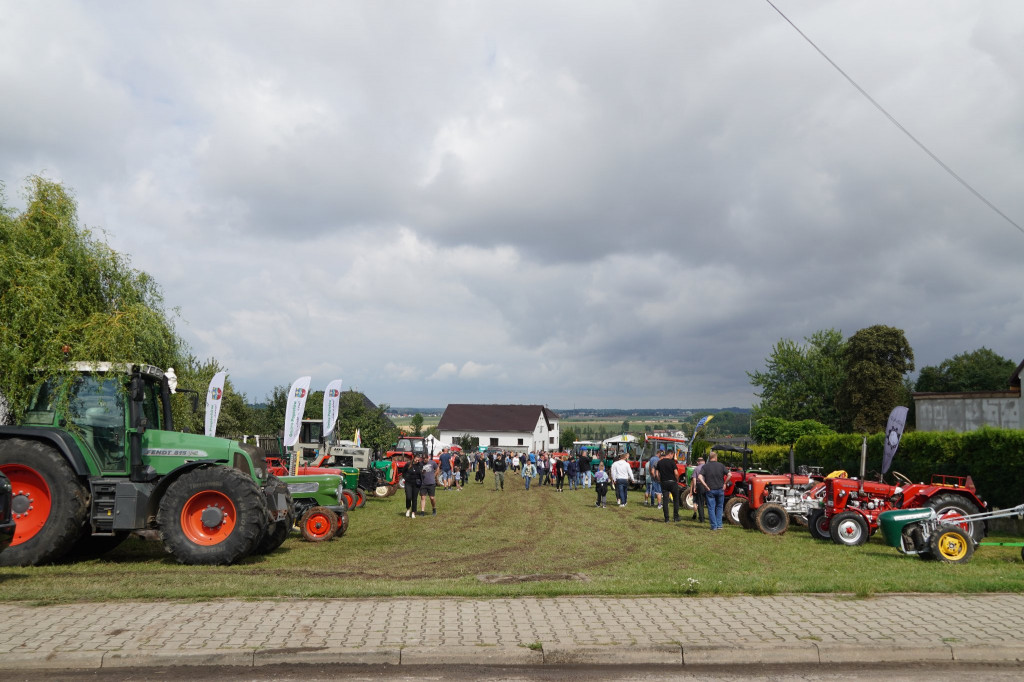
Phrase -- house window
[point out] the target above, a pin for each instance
(494, 442)
(520, 442)
(551, 441)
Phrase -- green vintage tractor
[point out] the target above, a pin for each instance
(96, 457)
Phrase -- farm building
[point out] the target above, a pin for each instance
(520, 428)
(969, 411)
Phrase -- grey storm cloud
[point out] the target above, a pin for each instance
(607, 204)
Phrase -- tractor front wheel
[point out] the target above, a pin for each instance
(382, 491)
(349, 497)
(687, 499)
(360, 499)
(212, 515)
(818, 524)
(49, 503)
(342, 524)
(848, 528)
(772, 519)
(319, 524)
(952, 544)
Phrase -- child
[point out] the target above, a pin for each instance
(601, 483)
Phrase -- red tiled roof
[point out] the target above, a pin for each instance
(467, 418)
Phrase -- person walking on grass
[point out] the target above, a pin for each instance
(653, 495)
(428, 483)
(558, 471)
(712, 477)
(667, 475)
(412, 475)
(446, 469)
(572, 471)
(622, 474)
(601, 484)
(481, 468)
(529, 471)
(500, 465)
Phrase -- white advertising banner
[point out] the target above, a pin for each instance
(214, 394)
(332, 398)
(296, 408)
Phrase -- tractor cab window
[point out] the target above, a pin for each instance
(311, 432)
(404, 445)
(42, 410)
(419, 447)
(151, 405)
(96, 407)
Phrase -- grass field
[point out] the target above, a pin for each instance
(513, 542)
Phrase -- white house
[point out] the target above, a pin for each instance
(521, 428)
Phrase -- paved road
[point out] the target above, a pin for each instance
(567, 631)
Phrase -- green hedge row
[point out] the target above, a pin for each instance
(994, 458)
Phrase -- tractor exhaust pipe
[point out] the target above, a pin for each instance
(792, 464)
(863, 461)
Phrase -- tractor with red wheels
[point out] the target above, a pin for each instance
(851, 506)
(96, 457)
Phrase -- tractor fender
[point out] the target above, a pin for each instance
(169, 478)
(60, 440)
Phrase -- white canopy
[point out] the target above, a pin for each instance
(621, 438)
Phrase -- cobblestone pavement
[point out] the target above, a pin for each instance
(698, 630)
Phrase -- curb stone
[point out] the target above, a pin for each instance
(471, 655)
(995, 653)
(150, 659)
(890, 652)
(328, 656)
(53, 660)
(751, 652)
(562, 654)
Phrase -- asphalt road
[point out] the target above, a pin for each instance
(314, 673)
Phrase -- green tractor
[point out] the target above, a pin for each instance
(96, 457)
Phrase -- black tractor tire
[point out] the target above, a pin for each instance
(277, 531)
(848, 528)
(348, 499)
(818, 525)
(953, 503)
(342, 524)
(951, 544)
(319, 524)
(772, 519)
(360, 499)
(233, 502)
(746, 517)
(67, 497)
(686, 500)
(731, 513)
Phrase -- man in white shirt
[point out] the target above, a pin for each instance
(622, 474)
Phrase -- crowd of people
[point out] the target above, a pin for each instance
(664, 489)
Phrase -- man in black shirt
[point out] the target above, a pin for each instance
(713, 477)
(668, 476)
(499, 465)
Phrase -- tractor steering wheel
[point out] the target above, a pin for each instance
(900, 477)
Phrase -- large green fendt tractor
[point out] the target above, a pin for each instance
(96, 457)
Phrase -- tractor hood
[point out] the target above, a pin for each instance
(167, 450)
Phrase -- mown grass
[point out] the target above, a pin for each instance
(546, 536)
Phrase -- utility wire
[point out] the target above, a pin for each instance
(897, 123)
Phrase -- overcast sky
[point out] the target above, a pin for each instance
(589, 204)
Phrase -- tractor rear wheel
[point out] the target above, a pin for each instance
(732, 510)
(952, 544)
(950, 508)
(818, 524)
(342, 524)
(772, 519)
(360, 499)
(277, 532)
(686, 498)
(848, 528)
(49, 506)
(349, 497)
(319, 524)
(746, 518)
(212, 515)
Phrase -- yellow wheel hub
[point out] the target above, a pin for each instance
(952, 546)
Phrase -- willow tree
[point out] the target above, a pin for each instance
(65, 295)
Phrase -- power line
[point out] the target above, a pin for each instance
(897, 123)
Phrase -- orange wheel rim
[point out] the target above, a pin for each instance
(208, 517)
(31, 503)
(318, 525)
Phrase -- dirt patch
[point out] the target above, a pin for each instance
(497, 579)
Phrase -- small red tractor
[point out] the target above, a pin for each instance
(851, 507)
(775, 499)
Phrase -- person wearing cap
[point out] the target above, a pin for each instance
(699, 491)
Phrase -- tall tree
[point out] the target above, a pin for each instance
(801, 380)
(876, 359)
(980, 370)
(416, 423)
(65, 295)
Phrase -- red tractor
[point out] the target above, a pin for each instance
(774, 499)
(851, 506)
(405, 450)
